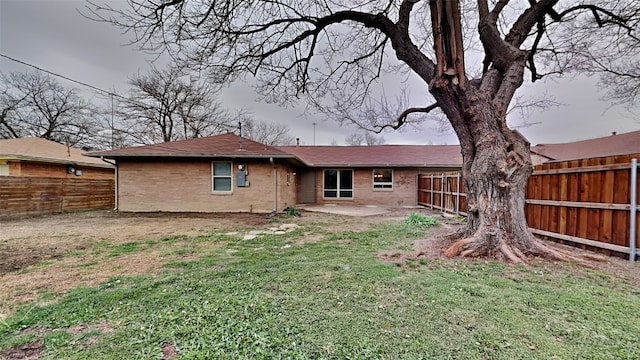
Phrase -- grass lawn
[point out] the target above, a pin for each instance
(316, 294)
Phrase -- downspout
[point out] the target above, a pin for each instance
(634, 209)
(115, 208)
(275, 185)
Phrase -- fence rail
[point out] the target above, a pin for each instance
(25, 196)
(591, 203)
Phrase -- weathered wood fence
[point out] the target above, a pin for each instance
(591, 203)
(24, 196)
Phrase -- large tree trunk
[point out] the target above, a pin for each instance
(496, 167)
(496, 159)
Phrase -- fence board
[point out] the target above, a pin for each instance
(585, 199)
(23, 196)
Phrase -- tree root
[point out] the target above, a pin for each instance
(488, 244)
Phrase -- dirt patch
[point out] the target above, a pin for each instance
(169, 351)
(30, 351)
(28, 242)
(53, 254)
(21, 255)
(431, 247)
(33, 350)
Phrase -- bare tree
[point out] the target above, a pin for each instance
(364, 138)
(336, 54)
(34, 105)
(167, 105)
(268, 133)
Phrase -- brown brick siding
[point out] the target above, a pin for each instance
(402, 194)
(185, 186)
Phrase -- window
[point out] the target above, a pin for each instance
(221, 172)
(383, 178)
(338, 184)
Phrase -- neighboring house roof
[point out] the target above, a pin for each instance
(378, 155)
(615, 144)
(225, 145)
(42, 150)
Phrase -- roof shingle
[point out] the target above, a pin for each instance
(620, 144)
(378, 155)
(42, 150)
(225, 145)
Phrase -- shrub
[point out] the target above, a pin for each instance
(421, 220)
(291, 211)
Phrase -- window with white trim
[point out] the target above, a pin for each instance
(222, 176)
(338, 184)
(383, 178)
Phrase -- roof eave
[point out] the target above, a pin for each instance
(385, 165)
(53, 161)
(184, 156)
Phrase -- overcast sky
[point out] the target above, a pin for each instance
(52, 35)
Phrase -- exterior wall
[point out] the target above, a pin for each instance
(35, 169)
(186, 186)
(402, 194)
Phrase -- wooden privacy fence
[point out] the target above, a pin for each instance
(591, 203)
(23, 196)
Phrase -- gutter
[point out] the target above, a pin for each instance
(195, 156)
(275, 186)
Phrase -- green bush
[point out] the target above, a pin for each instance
(291, 211)
(421, 220)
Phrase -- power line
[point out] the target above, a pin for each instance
(111, 93)
(105, 92)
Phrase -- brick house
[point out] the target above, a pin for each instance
(39, 176)
(226, 173)
(221, 173)
(36, 157)
(368, 175)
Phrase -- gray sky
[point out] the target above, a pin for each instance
(52, 35)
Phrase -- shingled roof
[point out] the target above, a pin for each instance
(378, 155)
(228, 145)
(225, 145)
(615, 144)
(42, 150)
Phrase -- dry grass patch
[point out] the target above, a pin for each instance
(45, 257)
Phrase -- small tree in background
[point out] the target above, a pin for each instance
(364, 138)
(167, 105)
(272, 134)
(32, 104)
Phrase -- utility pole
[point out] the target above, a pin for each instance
(314, 132)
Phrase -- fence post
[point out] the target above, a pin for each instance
(442, 193)
(633, 209)
(458, 195)
(418, 190)
(431, 189)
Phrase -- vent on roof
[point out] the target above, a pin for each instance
(240, 131)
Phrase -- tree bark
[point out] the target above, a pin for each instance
(496, 167)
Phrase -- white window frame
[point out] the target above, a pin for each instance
(214, 176)
(338, 189)
(382, 185)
